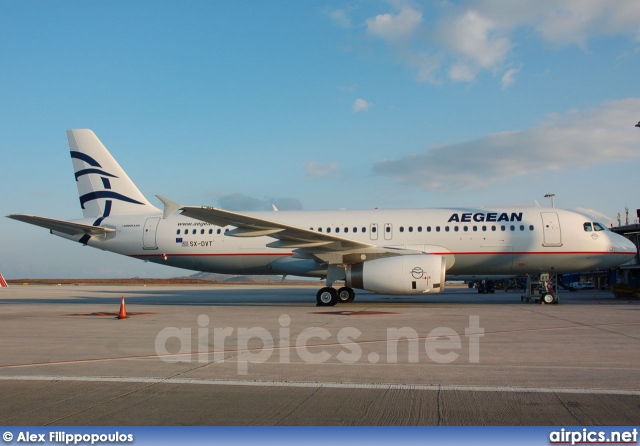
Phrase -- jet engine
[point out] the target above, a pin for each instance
(405, 274)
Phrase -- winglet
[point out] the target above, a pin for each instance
(169, 206)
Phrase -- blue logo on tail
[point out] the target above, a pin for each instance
(105, 182)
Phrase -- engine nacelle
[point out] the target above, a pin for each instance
(406, 274)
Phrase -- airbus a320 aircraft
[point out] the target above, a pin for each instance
(384, 251)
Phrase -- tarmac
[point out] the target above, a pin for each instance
(266, 355)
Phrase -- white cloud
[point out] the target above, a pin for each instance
(285, 204)
(427, 66)
(565, 22)
(315, 169)
(360, 105)
(463, 72)
(575, 140)
(576, 21)
(508, 78)
(596, 216)
(340, 17)
(465, 39)
(393, 27)
(241, 202)
(475, 38)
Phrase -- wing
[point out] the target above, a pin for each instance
(287, 236)
(306, 243)
(62, 226)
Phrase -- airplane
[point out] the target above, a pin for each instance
(406, 252)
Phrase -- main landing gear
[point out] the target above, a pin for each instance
(329, 296)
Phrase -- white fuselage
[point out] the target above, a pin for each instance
(473, 241)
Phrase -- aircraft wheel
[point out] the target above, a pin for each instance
(549, 298)
(326, 297)
(346, 295)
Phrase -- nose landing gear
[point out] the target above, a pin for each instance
(543, 289)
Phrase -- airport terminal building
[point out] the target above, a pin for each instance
(629, 273)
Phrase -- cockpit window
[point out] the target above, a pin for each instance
(599, 227)
(587, 227)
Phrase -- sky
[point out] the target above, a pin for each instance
(315, 105)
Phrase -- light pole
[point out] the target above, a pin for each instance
(550, 196)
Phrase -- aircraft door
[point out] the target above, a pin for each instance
(149, 234)
(551, 229)
(388, 231)
(373, 231)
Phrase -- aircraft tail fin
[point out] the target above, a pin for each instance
(103, 186)
(3, 283)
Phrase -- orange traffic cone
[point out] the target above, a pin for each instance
(123, 310)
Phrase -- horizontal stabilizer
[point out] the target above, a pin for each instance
(65, 227)
(169, 206)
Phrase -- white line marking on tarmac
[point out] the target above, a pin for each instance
(328, 385)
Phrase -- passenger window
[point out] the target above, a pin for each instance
(530, 227)
(337, 230)
(319, 229)
(374, 229)
(455, 228)
(219, 231)
(466, 228)
(356, 229)
(437, 228)
(446, 229)
(201, 231)
(587, 227)
(401, 229)
(193, 232)
(522, 227)
(475, 229)
(328, 230)
(410, 228)
(419, 228)
(178, 232)
(346, 229)
(428, 228)
(513, 228)
(364, 229)
(388, 229)
(503, 227)
(484, 228)
(493, 227)
(210, 231)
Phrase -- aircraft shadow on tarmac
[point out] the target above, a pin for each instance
(290, 297)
